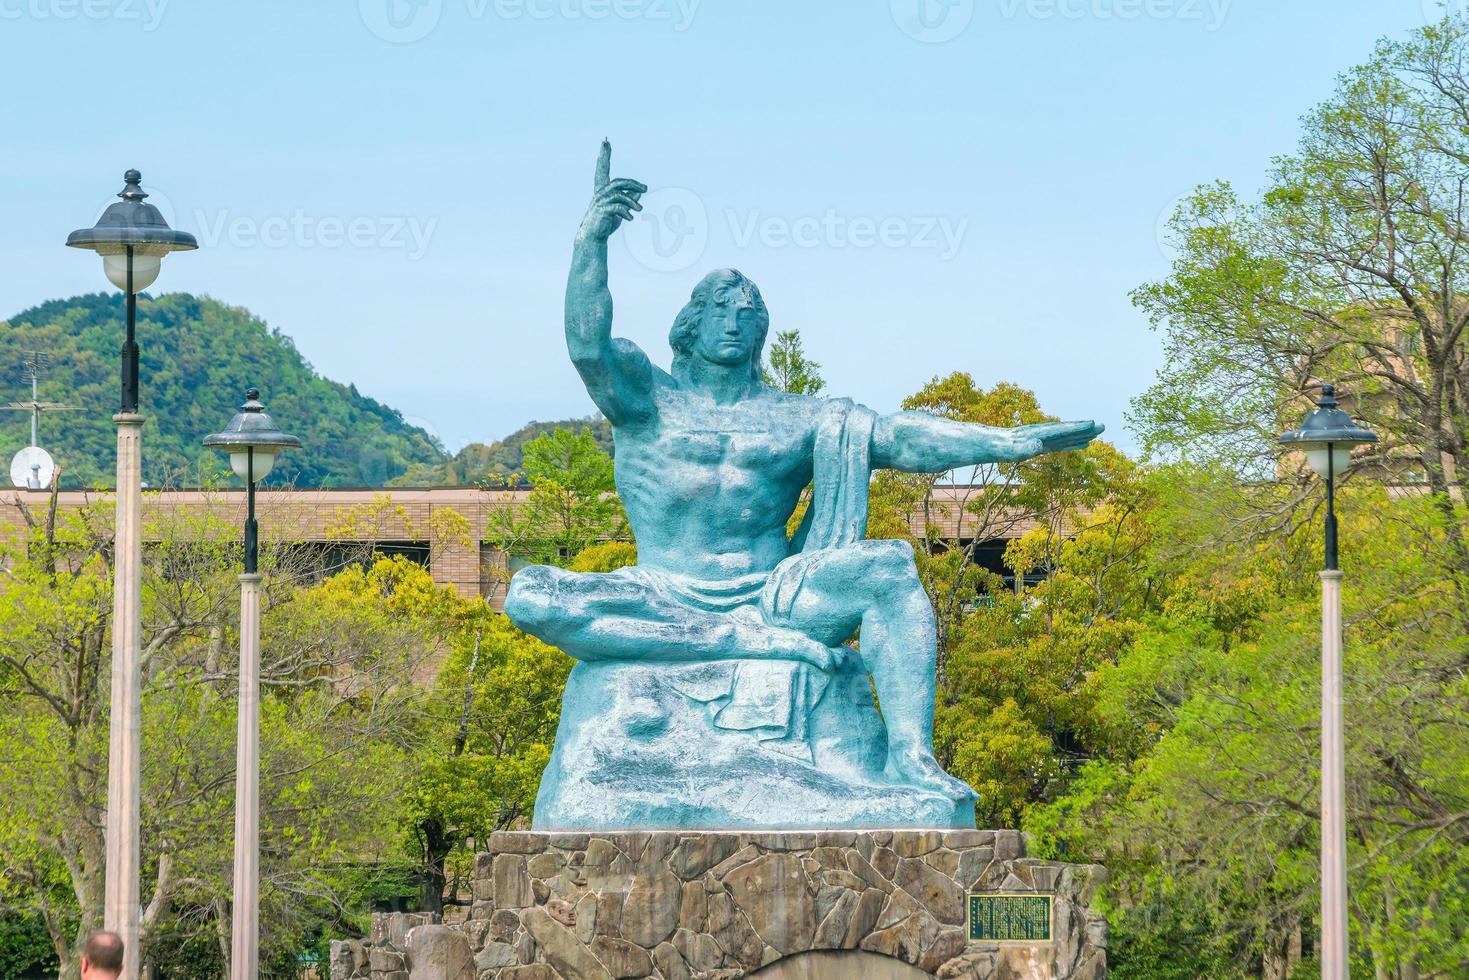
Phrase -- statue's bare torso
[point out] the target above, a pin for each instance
(709, 488)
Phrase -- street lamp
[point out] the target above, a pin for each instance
(252, 440)
(1327, 437)
(132, 238)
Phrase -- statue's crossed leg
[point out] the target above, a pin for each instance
(804, 610)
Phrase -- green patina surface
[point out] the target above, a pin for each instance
(716, 686)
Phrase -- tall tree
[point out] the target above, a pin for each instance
(484, 738)
(572, 503)
(981, 505)
(1350, 267)
(1013, 662)
(789, 369)
(334, 676)
(1204, 801)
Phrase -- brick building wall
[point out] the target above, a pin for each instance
(445, 524)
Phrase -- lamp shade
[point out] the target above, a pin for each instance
(132, 222)
(145, 269)
(1327, 436)
(252, 440)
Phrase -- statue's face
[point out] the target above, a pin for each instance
(730, 330)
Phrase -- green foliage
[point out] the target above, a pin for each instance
(1204, 737)
(607, 556)
(1145, 694)
(500, 701)
(570, 459)
(483, 736)
(572, 504)
(197, 357)
(25, 947)
(787, 367)
(501, 463)
(1347, 268)
(191, 955)
(1003, 755)
(1013, 706)
(337, 706)
(491, 720)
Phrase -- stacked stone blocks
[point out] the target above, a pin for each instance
(717, 906)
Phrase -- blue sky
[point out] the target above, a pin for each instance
(395, 183)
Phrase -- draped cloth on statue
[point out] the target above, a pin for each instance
(842, 469)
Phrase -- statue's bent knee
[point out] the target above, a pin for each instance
(892, 560)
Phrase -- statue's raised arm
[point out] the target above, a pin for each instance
(917, 442)
(617, 373)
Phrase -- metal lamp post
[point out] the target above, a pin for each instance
(132, 238)
(1327, 437)
(252, 440)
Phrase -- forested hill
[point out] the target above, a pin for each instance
(198, 356)
(499, 463)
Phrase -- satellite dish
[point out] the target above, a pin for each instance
(32, 468)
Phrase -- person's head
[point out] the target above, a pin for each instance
(724, 322)
(102, 956)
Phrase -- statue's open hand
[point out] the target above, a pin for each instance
(613, 201)
(1057, 437)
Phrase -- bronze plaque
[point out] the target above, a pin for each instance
(1009, 917)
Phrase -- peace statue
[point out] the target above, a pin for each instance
(715, 687)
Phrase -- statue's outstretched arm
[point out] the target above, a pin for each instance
(617, 373)
(921, 443)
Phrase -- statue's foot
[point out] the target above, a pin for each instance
(914, 765)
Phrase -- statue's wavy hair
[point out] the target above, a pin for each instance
(714, 288)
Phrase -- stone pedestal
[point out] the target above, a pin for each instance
(885, 905)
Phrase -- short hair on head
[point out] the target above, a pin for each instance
(712, 289)
(103, 950)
